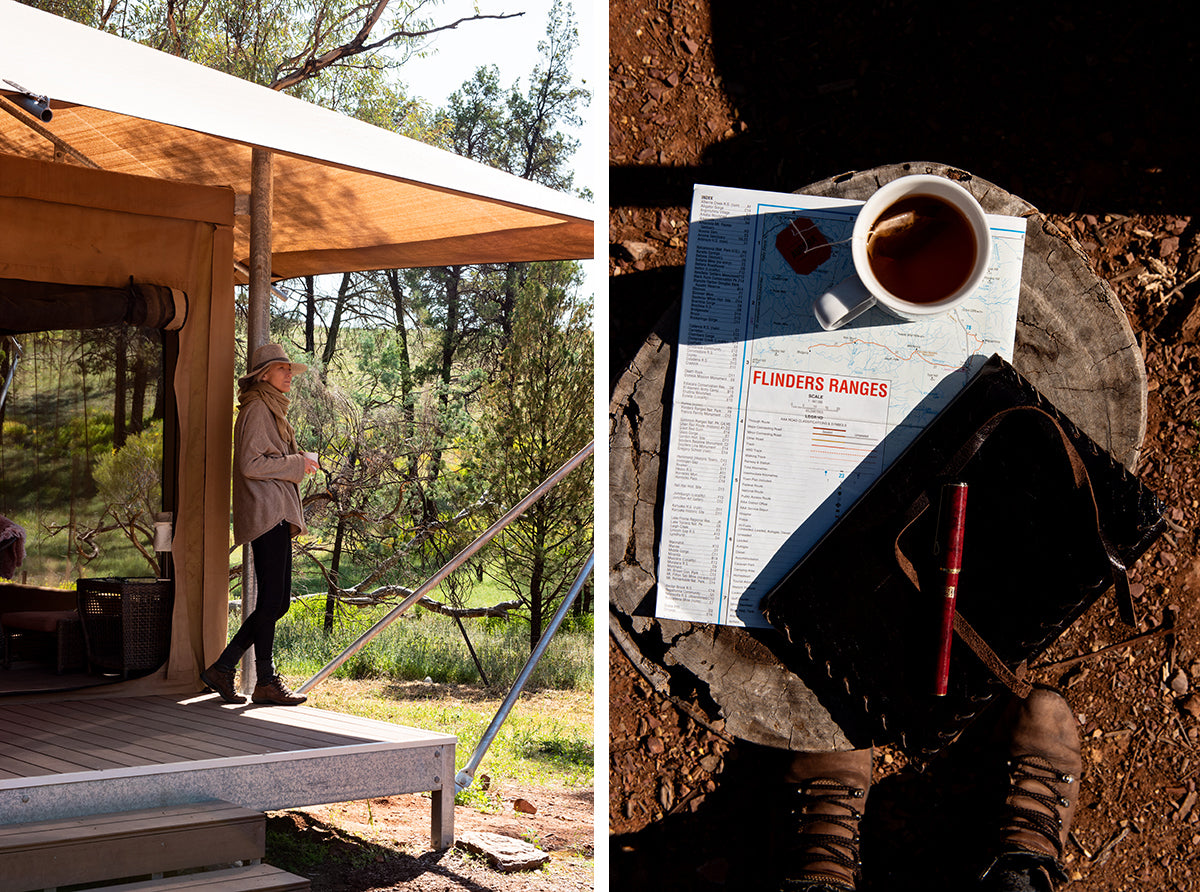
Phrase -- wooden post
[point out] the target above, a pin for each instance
(258, 322)
(258, 332)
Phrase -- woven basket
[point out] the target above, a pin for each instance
(126, 623)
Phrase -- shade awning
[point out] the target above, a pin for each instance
(347, 195)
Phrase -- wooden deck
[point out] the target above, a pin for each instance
(68, 758)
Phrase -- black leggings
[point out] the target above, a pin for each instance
(273, 570)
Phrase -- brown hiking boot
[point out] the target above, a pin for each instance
(827, 793)
(276, 692)
(222, 681)
(1044, 764)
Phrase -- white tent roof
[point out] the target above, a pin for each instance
(347, 195)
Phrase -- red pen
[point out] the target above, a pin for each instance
(954, 521)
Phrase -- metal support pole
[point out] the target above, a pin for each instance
(11, 370)
(258, 332)
(463, 779)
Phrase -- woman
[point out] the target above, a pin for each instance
(267, 469)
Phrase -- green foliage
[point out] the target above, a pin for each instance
(523, 131)
(15, 433)
(81, 434)
(428, 645)
(129, 479)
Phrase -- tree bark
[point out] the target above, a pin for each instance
(120, 370)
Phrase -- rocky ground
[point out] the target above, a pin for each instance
(384, 843)
(1086, 118)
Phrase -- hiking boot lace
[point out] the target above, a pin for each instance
(1048, 821)
(812, 847)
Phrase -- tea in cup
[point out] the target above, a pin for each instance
(920, 246)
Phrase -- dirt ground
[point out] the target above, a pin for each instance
(384, 843)
(1087, 118)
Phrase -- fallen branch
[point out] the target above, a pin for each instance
(1162, 629)
(498, 610)
(354, 599)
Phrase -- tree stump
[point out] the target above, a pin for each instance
(1073, 342)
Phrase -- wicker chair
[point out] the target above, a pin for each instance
(126, 623)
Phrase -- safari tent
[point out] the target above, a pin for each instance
(126, 190)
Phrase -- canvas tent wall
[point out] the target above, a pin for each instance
(68, 225)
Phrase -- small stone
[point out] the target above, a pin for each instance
(637, 250)
(503, 852)
(655, 746)
(666, 795)
(1179, 682)
(524, 806)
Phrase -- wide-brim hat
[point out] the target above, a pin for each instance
(268, 355)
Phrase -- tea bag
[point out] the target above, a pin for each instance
(901, 232)
(894, 224)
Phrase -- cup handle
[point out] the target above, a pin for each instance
(843, 303)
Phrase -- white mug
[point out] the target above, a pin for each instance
(900, 206)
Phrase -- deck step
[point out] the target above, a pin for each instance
(254, 878)
(96, 848)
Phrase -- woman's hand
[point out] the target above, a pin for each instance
(310, 463)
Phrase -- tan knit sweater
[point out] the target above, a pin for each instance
(265, 476)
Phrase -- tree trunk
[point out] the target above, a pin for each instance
(310, 316)
(406, 380)
(334, 576)
(453, 280)
(141, 375)
(119, 371)
(508, 302)
(335, 324)
(335, 562)
(536, 607)
(161, 383)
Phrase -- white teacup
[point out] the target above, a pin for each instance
(920, 246)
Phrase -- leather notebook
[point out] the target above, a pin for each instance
(1052, 521)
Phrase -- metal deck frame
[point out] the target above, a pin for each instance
(69, 758)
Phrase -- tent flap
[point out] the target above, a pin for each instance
(44, 306)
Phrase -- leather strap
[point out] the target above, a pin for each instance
(1015, 680)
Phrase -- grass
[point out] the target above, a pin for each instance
(422, 645)
(547, 737)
